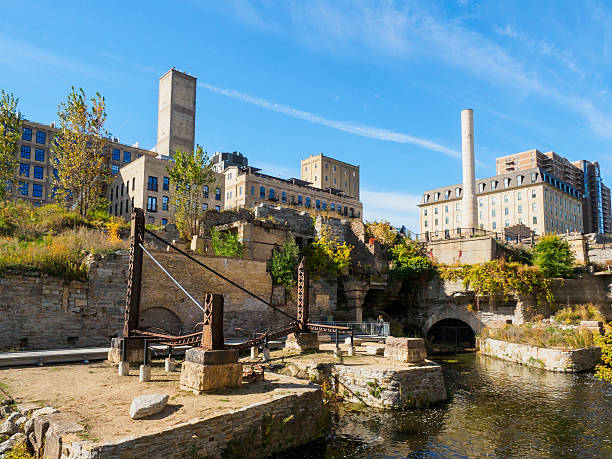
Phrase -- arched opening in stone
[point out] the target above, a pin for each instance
(157, 319)
(452, 332)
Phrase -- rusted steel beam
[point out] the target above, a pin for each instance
(212, 325)
(330, 328)
(132, 299)
(303, 299)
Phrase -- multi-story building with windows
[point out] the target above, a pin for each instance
(34, 179)
(584, 176)
(328, 173)
(248, 187)
(145, 184)
(221, 161)
(531, 197)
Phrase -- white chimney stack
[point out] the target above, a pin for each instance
(468, 202)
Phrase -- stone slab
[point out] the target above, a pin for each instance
(405, 355)
(378, 349)
(302, 342)
(211, 357)
(147, 405)
(404, 343)
(200, 378)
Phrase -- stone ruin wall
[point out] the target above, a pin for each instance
(43, 312)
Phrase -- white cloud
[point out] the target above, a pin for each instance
(397, 208)
(346, 126)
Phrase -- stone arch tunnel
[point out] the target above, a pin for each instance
(454, 327)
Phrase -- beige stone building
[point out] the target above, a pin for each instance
(531, 197)
(247, 187)
(33, 181)
(324, 172)
(145, 184)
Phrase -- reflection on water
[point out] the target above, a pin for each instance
(498, 409)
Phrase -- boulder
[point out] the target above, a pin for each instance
(44, 411)
(28, 427)
(9, 427)
(148, 405)
(21, 421)
(11, 442)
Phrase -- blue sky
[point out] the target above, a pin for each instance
(376, 83)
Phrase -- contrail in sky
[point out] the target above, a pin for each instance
(346, 126)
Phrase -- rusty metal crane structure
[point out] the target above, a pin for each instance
(131, 330)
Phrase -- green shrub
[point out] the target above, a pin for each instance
(603, 371)
(409, 259)
(574, 314)
(283, 264)
(554, 256)
(19, 451)
(326, 256)
(226, 243)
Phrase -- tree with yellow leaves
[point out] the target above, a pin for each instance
(10, 122)
(79, 153)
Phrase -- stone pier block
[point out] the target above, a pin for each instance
(124, 368)
(145, 373)
(302, 342)
(205, 370)
(405, 349)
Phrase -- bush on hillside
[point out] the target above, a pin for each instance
(409, 259)
(554, 256)
(283, 264)
(226, 243)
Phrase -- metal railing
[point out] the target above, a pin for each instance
(361, 328)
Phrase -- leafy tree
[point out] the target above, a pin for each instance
(383, 231)
(326, 256)
(283, 264)
(190, 173)
(10, 122)
(604, 369)
(226, 243)
(409, 259)
(554, 256)
(79, 153)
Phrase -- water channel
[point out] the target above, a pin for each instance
(498, 409)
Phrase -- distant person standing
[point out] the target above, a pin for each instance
(380, 324)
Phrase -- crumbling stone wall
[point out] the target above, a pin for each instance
(43, 312)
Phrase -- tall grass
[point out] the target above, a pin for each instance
(52, 240)
(540, 336)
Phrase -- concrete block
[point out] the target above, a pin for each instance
(356, 341)
(211, 357)
(200, 378)
(124, 368)
(302, 342)
(169, 365)
(375, 349)
(145, 373)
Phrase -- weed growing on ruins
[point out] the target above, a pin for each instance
(374, 388)
(19, 451)
(226, 243)
(542, 336)
(382, 231)
(554, 256)
(574, 314)
(603, 370)
(10, 123)
(326, 255)
(502, 278)
(283, 264)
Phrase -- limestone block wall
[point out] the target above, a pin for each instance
(43, 312)
(335, 226)
(240, 309)
(463, 251)
(567, 361)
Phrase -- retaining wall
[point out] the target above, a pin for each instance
(566, 361)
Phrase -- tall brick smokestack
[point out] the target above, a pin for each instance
(469, 217)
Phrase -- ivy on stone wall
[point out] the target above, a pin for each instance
(502, 278)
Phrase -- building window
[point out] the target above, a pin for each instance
(205, 190)
(24, 170)
(332, 206)
(217, 207)
(152, 183)
(262, 192)
(151, 204)
(114, 169)
(271, 195)
(39, 155)
(425, 224)
(324, 205)
(252, 191)
(519, 195)
(121, 208)
(494, 225)
(507, 223)
(435, 210)
(520, 209)
(493, 213)
(165, 201)
(533, 193)
(506, 197)
(447, 194)
(299, 200)
(218, 194)
(26, 134)
(205, 206)
(41, 137)
(535, 220)
(318, 204)
(519, 180)
(284, 196)
(37, 190)
(25, 152)
(457, 191)
(38, 172)
(127, 156)
(533, 177)
(436, 196)
(457, 207)
(23, 188)
(425, 212)
(122, 188)
(481, 187)
(480, 203)
(307, 202)
(116, 154)
(436, 222)
(493, 185)
(506, 211)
